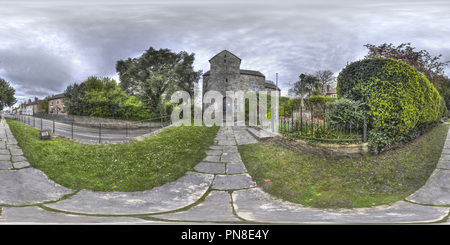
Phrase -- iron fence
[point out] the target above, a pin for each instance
(314, 123)
(94, 132)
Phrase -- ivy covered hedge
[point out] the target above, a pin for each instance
(401, 103)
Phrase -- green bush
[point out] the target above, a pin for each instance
(400, 100)
(443, 110)
(316, 100)
(345, 111)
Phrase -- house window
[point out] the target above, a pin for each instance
(57, 102)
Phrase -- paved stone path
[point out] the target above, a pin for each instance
(218, 190)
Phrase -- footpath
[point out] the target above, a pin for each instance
(218, 190)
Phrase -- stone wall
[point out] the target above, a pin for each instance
(323, 149)
(116, 123)
(105, 122)
(248, 81)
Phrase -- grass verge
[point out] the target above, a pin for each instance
(344, 182)
(138, 165)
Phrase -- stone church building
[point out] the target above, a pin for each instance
(225, 74)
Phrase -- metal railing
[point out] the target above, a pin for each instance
(95, 132)
(313, 123)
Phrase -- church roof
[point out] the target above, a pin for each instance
(244, 72)
(250, 72)
(228, 52)
(270, 84)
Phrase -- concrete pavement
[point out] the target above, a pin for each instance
(218, 190)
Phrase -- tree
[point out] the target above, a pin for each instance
(421, 60)
(325, 78)
(157, 73)
(44, 109)
(102, 97)
(444, 90)
(6, 94)
(307, 84)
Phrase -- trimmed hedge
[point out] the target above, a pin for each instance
(345, 111)
(401, 102)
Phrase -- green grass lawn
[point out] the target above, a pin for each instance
(344, 182)
(138, 165)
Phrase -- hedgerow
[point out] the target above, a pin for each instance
(401, 103)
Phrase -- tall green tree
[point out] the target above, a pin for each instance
(153, 76)
(102, 97)
(6, 94)
(444, 90)
(421, 60)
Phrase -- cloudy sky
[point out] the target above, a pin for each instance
(47, 45)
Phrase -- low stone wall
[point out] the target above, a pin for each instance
(116, 123)
(105, 122)
(327, 149)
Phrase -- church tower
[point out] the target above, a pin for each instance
(224, 74)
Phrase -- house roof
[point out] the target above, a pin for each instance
(222, 52)
(57, 96)
(333, 91)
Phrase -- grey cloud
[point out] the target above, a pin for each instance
(66, 42)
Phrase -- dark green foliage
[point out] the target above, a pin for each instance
(444, 90)
(157, 73)
(6, 94)
(345, 111)
(400, 101)
(101, 97)
(443, 110)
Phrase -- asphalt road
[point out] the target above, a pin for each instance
(74, 131)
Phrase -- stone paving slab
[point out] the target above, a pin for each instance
(236, 168)
(5, 157)
(16, 152)
(226, 142)
(22, 164)
(436, 190)
(243, 137)
(168, 197)
(210, 167)
(230, 157)
(4, 152)
(36, 215)
(233, 182)
(257, 206)
(28, 186)
(216, 208)
(212, 159)
(5, 165)
(443, 164)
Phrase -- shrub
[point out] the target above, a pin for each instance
(316, 100)
(443, 110)
(345, 111)
(400, 101)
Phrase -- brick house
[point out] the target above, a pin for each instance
(31, 107)
(56, 105)
(331, 93)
